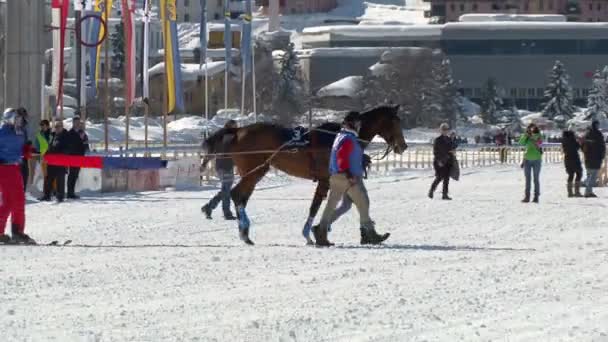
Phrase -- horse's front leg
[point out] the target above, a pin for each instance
(320, 194)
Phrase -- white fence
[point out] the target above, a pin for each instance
(185, 162)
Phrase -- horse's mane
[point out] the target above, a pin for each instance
(217, 137)
(330, 126)
(381, 109)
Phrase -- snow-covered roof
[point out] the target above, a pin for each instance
(495, 17)
(191, 72)
(526, 25)
(348, 87)
(349, 52)
(211, 53)
(366, 31)
(393, 14)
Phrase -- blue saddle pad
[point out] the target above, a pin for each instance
(296, 137)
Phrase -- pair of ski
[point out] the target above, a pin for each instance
(56, 243)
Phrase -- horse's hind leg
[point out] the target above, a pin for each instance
(320, 194)
(240, 196)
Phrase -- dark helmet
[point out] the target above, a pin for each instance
(352, 117)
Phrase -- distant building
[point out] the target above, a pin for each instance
(519, 55)
(301, 6)
(575, 10)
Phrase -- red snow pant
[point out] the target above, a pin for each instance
(12, 197)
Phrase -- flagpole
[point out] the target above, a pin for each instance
(106, 79)
(228, 47)
(127, 27)
(145, 74)
(255, 110)
(83, 71)
(203, 60)
(243, 80)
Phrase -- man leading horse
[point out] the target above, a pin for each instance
(346, 178)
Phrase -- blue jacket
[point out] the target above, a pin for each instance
(346, 155)
(11, 145)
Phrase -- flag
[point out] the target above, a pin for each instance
(128, 12)
(145, 68)
(59, 12)
(203, 32)
(96, 32)
(173, 72)
(227, 37)
(246, 39)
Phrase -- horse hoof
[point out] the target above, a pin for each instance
(244, 236)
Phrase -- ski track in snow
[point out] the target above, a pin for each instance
(483, 267)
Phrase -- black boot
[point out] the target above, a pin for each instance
(229, 216)
(20, 238)
(431, 191)
(207, 211)
(446, 197)
(577, 189)
(570, 189)
(320, 235)
(536, 197)
(526, 199)
(370, 237)
(4, 239)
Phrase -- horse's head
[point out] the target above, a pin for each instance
(385, 122)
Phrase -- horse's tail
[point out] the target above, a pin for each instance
(217, 143)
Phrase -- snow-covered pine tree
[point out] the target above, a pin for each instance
(117, 38)
(597, 100)
(491, 102)
(289, 97)
(558, 95)
(448, 93)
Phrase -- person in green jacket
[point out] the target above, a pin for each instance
(532, 140)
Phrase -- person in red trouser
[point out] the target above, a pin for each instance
(12, 196)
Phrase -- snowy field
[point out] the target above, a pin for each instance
(149, 267)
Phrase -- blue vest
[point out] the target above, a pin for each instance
(355, 159)
(11, 145)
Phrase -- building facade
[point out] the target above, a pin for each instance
(300, 6)
(518, 55)
(575, 10)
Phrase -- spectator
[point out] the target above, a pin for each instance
(594, 150)
(224, 166)
(56, 174)
(28, 151)
(27, 148)
(41, 145)
(572, 161)
(78, 145)
(532, 140)
(501, 142)
(443, 151)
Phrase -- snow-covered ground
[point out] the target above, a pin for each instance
(149, 267)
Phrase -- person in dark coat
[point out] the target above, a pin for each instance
(443, 151)
(78, 145)
(594, 149)
(572, 161)
(224, 166)
(56, 174)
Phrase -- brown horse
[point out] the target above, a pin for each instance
(257, 147)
